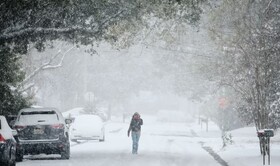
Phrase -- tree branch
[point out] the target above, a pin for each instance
(266, 9)
(29, 86)
(45, 66)
(41, 30)
(36, 71)
(60, 62)
(7, 36)
(236, 88)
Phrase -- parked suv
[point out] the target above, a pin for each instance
(7, 144)
(41, 130)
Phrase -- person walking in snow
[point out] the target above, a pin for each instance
(135, 129)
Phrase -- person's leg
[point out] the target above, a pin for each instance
(138, 134)
(134, 142)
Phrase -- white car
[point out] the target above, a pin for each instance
(87, 127)
(7, 144)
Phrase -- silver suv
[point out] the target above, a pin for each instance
(42, 130)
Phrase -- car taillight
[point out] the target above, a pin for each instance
(20, 128)
(58, 126)
(2, 139)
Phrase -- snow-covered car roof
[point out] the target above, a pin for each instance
(88, 119)
(38, 109)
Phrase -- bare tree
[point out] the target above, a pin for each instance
(250, 42)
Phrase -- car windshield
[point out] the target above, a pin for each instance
(38, 113)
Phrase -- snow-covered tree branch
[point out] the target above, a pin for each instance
(253, 35)
(46, 66)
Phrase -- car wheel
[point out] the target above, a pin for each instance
(12, 164)
(65, 153)
(102, 139)
(19, 155)
(4, 164)
(9, 163)
(12, 161)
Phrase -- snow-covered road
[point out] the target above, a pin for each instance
(161, 144)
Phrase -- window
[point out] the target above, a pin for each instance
(38, 113)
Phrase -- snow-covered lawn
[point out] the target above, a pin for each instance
(245, 148)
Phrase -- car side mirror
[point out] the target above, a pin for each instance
(68, 121)
(14, 132)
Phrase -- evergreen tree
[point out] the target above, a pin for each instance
(11, 101)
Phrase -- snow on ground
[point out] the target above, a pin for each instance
(245, 148)
(163, 144)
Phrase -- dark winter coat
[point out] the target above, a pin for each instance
(135, 124)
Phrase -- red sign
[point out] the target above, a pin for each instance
(223, 103)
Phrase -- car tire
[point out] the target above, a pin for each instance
(4, 164)
(19, 155)
(8, 163)
(65, 153)
(12, 164)
(12, 161)
(103, 139)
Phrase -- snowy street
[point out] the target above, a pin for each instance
(161, 144)
(140, 83)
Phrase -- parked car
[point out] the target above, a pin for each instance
(11, 120)
(42, 130)
(87, 127)
(7, 144)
